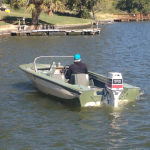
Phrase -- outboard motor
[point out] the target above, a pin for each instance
(113, 88)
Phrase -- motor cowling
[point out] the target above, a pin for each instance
(114, 81)
(114, 87)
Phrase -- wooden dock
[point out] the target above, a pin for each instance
(3, 33)
(103, 22)
(50, 32)
(131, 17)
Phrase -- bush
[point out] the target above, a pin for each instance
(65, 14)
(6, 1)
(84, 14)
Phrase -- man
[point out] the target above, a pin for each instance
(77, 68)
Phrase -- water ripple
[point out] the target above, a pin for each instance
(31, 120)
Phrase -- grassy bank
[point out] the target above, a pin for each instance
(11, 18)
(104, 16)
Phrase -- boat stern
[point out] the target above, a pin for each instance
(90, 98)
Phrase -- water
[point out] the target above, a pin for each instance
(31, 120)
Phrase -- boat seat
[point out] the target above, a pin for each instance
(50, 73)
(60, 77)
(52, 70)
(80, 79)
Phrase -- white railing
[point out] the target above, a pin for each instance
(48, 57)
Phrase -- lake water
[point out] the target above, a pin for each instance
(31, 120)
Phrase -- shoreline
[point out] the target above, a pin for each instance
(9, 28)
(33, 27)
(12, 30)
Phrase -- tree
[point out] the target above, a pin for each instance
(38, 6)
(76, 4)
(134, 5)
(83, 5)
(92, 5)
(146, 6)
(125, 5)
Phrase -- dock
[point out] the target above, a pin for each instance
(51, 32)
(5, 33)
(131, 17)
(103, 22)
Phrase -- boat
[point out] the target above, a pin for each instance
(92, 89)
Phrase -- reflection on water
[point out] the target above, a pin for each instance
(32, 120)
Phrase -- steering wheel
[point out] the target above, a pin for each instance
(64, 70)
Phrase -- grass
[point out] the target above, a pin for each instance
(2, 23)
(11, 18)
(104, 16)
(62, 20)
(66, 18)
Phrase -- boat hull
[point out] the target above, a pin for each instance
(50, 88)
(76, 95)
(64, 94)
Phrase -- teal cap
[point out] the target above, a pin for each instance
(77, 57)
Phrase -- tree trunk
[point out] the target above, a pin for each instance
(36, 12)
(80, 6)
(93, 13)
(36, 15)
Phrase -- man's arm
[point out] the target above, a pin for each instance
(86, 69)
(68, 74)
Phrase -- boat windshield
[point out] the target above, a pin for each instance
(45, 61)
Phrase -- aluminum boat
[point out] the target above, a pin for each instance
(92, 89)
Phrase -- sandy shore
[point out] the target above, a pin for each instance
(8, 28)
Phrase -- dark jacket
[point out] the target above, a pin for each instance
(76, 68)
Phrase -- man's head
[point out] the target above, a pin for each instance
(77, 58)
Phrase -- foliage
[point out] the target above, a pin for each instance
(82, 6)
(134, 6)
(75, 4)
(92, 5)
(36, 7)
(16, 4)
(69, 14)
(6, 1)
(84, 14)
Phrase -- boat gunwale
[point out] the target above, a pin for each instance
(99, 76)
(57, 82)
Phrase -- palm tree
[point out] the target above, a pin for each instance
(38, 6)
(36, 9)
(55, 5)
